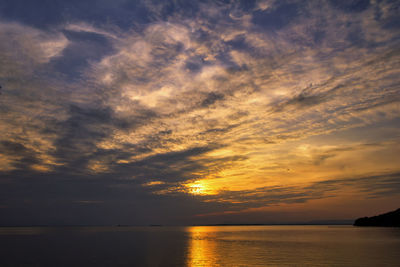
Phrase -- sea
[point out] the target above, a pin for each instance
(291, 245)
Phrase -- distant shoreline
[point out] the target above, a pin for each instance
(193, 225)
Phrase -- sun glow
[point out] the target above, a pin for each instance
(199, 188)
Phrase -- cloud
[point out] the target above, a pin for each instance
(172, 94)
(83, 48)
(31, 45)
(352, 6)
(374, 186)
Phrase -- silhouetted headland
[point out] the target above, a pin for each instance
(390, 219)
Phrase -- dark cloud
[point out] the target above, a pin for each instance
(79, 134)
(304, 100)
(221, 130)
(308, 98)
(388, 16)
(352, 5)
(278, 16)
(81, 125)
(373, 186)
(25, 157)
(239, 43)
(49, 14)
(195, 64)
(211, 99)
(163, 10)
(84, 48)
(60, 199)
(171, 167)
(13, 147)
(37, 13)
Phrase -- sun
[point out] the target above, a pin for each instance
(198, 188)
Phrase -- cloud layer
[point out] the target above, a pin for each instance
(212, 107)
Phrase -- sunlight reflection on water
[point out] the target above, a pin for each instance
(293, 245)
(200, 246)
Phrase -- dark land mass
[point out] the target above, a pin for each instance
(390, 219)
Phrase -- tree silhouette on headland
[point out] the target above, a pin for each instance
(390, 219)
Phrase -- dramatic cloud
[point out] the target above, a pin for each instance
(170, 111)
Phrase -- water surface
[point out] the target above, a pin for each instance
(200, 246)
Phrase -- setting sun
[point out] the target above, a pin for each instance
(199, 188)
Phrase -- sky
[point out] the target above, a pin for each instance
(198, 112)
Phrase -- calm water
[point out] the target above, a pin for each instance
(200, 246)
